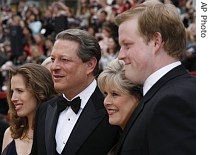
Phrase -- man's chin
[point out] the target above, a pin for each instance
(129, 75)
(58, 88)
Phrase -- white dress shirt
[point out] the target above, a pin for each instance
(67, 118)
(154, 77)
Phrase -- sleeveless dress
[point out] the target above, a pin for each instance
(10, 149)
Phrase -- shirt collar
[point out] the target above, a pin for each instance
(86, 93)
(154, 77)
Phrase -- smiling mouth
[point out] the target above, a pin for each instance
(55, 77)
(18, 106)
(111, 111)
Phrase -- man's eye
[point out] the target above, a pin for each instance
(127, 46)
(65, 60)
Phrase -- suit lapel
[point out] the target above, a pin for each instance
(87, 122)
(51, 120)
(180, 70)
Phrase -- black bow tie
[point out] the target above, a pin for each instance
(63, 104)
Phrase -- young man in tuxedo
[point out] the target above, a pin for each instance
(153, 40)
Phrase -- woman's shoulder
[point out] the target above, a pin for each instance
(10, 149)
(7, 138)
(7, 134)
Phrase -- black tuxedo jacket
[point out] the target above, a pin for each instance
(164, 122)
(92, 134)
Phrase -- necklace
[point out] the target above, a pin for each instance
(29, 134)
(29, 137)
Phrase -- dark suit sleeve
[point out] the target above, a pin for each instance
(39, 140)
(40, 114)
(172, 126)
(34, 145)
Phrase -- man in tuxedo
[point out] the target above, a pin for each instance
(70, 130)
(153, 40)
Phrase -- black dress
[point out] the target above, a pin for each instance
(10, 149)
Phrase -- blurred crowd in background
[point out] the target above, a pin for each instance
(28, 28)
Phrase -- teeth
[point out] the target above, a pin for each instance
(112, 110)
(18, 106)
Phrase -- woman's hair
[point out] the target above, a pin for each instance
(39, 83)
(114, 76)
(155, 17)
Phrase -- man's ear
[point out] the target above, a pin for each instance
(158, 41)
(91, 64)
